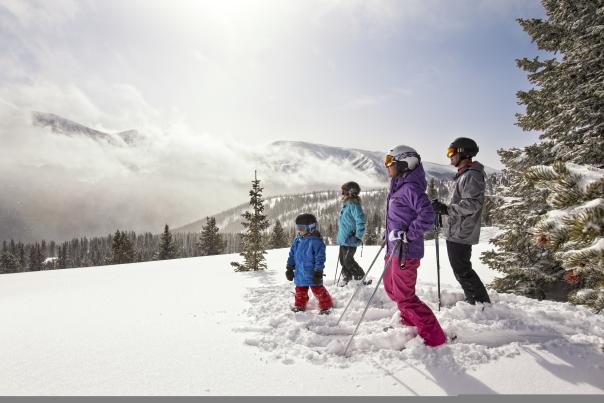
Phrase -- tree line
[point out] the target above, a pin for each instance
(130, 247)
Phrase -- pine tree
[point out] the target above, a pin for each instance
(210, 241)
(370, 233)
(9, 263)
(167, 247)
(278, 237)
(21, 256)
(573, 231)
(565, 105)
(255, 223)
(36, 258)
(122, 249)
(62, 261)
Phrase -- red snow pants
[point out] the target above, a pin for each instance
(320, 293)
(399, 284)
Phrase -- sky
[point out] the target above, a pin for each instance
(212, 79)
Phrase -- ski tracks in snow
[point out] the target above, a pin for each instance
(504, 329)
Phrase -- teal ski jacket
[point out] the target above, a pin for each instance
(351, 224)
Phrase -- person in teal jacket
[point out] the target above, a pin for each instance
(305, 265)
(351, 228)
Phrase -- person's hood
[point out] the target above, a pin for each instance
(417, 176)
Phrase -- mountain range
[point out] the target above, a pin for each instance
(61, 125)
(286, 168)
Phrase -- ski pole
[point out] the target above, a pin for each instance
(335, 275)
(437, 219)
(374, 259)
(361, 284)
(372, 295)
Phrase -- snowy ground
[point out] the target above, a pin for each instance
(194, 327)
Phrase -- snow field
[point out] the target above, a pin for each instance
(195, 327)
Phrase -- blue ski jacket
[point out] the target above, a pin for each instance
(307, 254)
(351, 224)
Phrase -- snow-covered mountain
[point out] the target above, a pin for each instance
(196, 327)
(324, 204)
(279, 157)
(61, 125)
(292, 156)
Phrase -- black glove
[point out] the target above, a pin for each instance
(289, 272)
(440, 208)
(317, 277)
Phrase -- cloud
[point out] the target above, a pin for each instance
(371, 101)
(209, 83)
(57, 187)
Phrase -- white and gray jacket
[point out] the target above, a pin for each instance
(465, 211)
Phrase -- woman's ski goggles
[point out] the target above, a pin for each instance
(451, 151)
(388, 160)
(306, 227)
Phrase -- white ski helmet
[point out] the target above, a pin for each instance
(407, 158)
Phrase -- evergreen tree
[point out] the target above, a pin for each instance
(121, 248)
(278, 237)
(370, 233)
(255, 223)
(167, 247)
(21, 256)
(36, 258)
(573, 231)
(487, 211)
(565, 105)
(9, 263)
(210, 242)
(62, 260)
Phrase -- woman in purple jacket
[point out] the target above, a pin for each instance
(409, 214)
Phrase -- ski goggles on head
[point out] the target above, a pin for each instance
(306, 227)
(388, 160)
(451, 151)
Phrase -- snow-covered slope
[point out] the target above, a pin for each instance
(284, 208)
(61, 125)
(193, 326)
(293, 156)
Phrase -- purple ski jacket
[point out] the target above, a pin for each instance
(408, 208)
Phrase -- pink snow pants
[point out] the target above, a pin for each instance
(400, 287)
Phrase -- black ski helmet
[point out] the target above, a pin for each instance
(352, 188)
(465, 147)
(306, 219)
(306, 222)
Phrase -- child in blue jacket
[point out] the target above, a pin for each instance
(306, 263)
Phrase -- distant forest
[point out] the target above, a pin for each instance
(128, 246)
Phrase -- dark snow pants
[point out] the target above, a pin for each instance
(473, 288)
(350, 268)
